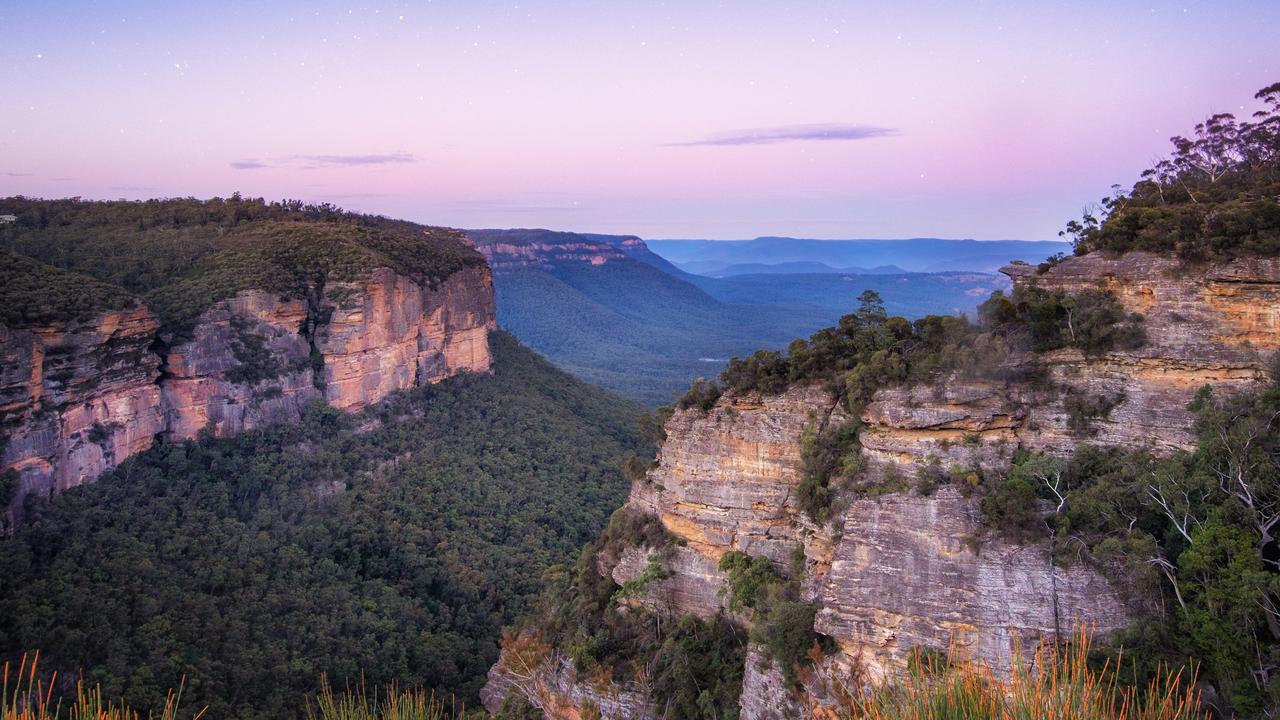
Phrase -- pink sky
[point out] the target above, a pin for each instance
(998, 120)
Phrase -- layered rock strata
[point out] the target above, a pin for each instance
(901, 569)
(77, 398)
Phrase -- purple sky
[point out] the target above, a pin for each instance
(682, 119)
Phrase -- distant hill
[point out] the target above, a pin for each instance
(713, 257)
(616, 314)
(801, 267)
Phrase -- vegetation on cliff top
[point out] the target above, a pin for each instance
(33, 293)
(1216, 196)
(869, 351)
(389, 545)
(183, 255)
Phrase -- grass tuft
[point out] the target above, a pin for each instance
(1057, 685)
(32, 698)
(394, 704)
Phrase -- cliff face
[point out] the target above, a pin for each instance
(510, 256)
(900, 569)
(246, 363)
(76, 399)
(390, 333)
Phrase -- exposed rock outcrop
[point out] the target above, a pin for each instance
(510, 256)
(246, 363)
(902, 569)
(389, 333)
(77, 398)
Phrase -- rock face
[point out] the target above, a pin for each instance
(246, 363)
(510, 256)
(899, 570)
(76, 399)
(555, 686)
(1217, 325)
(390, 333)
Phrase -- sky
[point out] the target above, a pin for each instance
(686, 119)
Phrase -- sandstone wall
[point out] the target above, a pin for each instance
(902, 569)
(510, 256)
(77, 398)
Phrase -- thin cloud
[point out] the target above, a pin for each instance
(312, 162)
(14, 174)
(353, 160)
(792, 133)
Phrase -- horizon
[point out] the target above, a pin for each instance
(696, 122)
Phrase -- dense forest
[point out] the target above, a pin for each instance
(388, 545)
(183, 255)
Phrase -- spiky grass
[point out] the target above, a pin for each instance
(31, 697)
(394, 704)
(1058, 685)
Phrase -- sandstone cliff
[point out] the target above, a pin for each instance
(510, 256)
(78, 397)
(900, 569)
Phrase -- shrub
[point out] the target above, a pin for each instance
(1091, 321)
(1083, 409)
(702, 395)
(787, 634)
(1013, 510)
(749, 579)
(825, 453)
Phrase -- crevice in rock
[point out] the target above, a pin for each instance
(318, 315)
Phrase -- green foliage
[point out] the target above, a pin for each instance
(1091, 321)
(698, 670)
(1215, 197)
(867, 351)
(749, 579)
(783, 623)
(827, 452)
(1013, 510)
(183, 255)
(654, 571)
(702, 395)
(33, 293)
(389, 545)
(516, 707)
(1083, 409)
(787, 634)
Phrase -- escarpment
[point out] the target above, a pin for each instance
(77, 397)
(81, 392)
(902, 563)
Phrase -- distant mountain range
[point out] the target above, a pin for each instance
(715, 268)
(778, 255)
(613, 312)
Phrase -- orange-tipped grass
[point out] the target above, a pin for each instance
(395, 704)
(31, 698)
(1058, 685)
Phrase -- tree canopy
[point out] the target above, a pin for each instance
(1217, 195)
